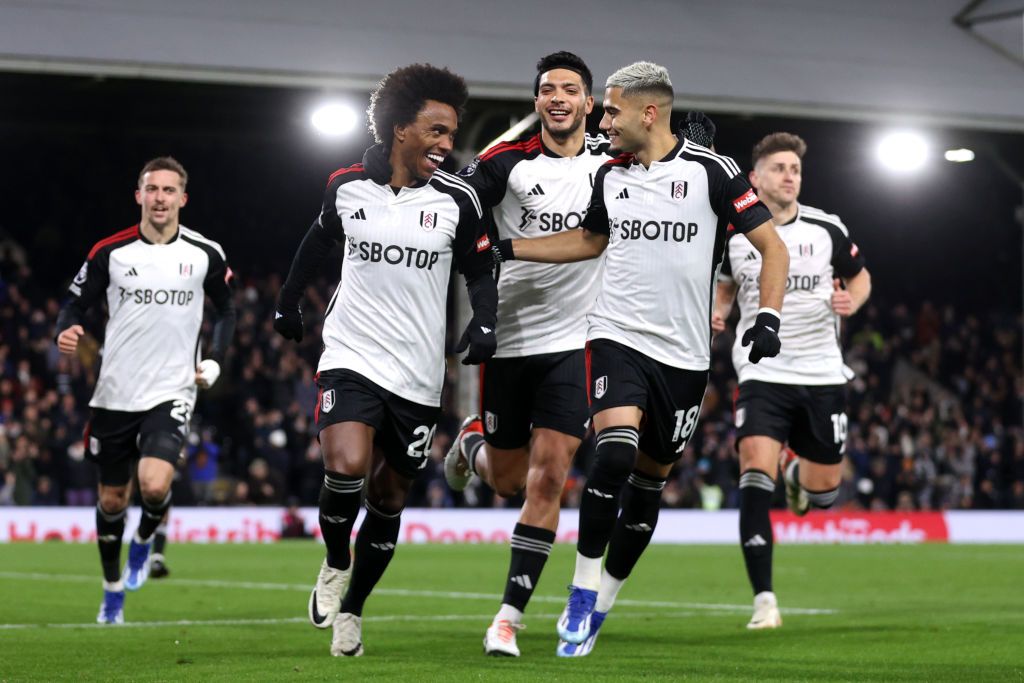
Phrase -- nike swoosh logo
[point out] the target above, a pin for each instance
(317, 617)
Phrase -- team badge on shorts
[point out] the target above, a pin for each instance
(327, 401)
(600, 386)
(94, 445)
(741, 416)
(490, 422)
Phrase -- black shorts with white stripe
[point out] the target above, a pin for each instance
(670, 397)
(812, 419)
(404, 429)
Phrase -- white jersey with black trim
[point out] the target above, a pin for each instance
(534, 192)
(667, 227)
(819, 250)
(155, 295)
(386, 320)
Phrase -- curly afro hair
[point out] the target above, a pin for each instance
(400, 96)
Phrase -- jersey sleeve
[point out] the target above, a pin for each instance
(488, 176)
(730, 193)
(472, 246)
(596, 220)
(219, 278)
(329, 220)
(847, 260)
(725, 274)
(91, 281)
(737, 201)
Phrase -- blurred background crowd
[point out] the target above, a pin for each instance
(935, 411)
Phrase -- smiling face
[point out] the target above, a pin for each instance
(562, 102)
(420, 147)
(624, 121)
(161, 197)
(777, 178)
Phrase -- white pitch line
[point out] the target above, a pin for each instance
(454, 595)
(483, 618)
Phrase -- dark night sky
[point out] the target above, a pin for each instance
(72, 146)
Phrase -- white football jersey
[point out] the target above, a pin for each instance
(667, 227)
(155, 295)
(534, 192)
(386, 320)
(819, 250)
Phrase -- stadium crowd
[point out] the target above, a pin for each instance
(935, 412)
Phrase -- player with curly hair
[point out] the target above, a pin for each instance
(402, 222)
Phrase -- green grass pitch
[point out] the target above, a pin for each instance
(237, 612)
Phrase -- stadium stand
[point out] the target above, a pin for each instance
(935, 413)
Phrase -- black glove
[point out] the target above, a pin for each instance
(480, 340)
(699, 128)
(377, 165)
(501, 251)
(764, 335)
(288, 321)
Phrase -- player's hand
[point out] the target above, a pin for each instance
(480, 340)
(842, 302)
(288, 321)
(717, 322)
(207, 373)
(67, 341)
(763, 337)
(700, 129)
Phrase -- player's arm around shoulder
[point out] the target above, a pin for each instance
(587, 242)
(565, 247)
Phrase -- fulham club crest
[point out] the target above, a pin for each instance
(185, 269)
(428, 220)
(490, 422)
(679, 188)
(600, 386)
(327, 401)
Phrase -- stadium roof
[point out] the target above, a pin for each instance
(872, 59)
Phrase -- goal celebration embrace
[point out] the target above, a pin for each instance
(610, 366)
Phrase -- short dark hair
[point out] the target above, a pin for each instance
(563, 60)
(399, 97)
(165, 164)
(778, 142)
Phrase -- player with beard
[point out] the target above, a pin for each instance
(533, 391)
(660, 213)
(403, 224)
(155, 277)
(798, 397)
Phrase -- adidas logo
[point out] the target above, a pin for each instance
(755, 541)
(132, 272)
(386, 547)
(600, 494)
(623, 195)
(334, 519)
(536, 191)
(109, 538)
(523, 580)
(277, 315)
(359, 215)
(486, 330)
(642, 526)
(752, 256)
